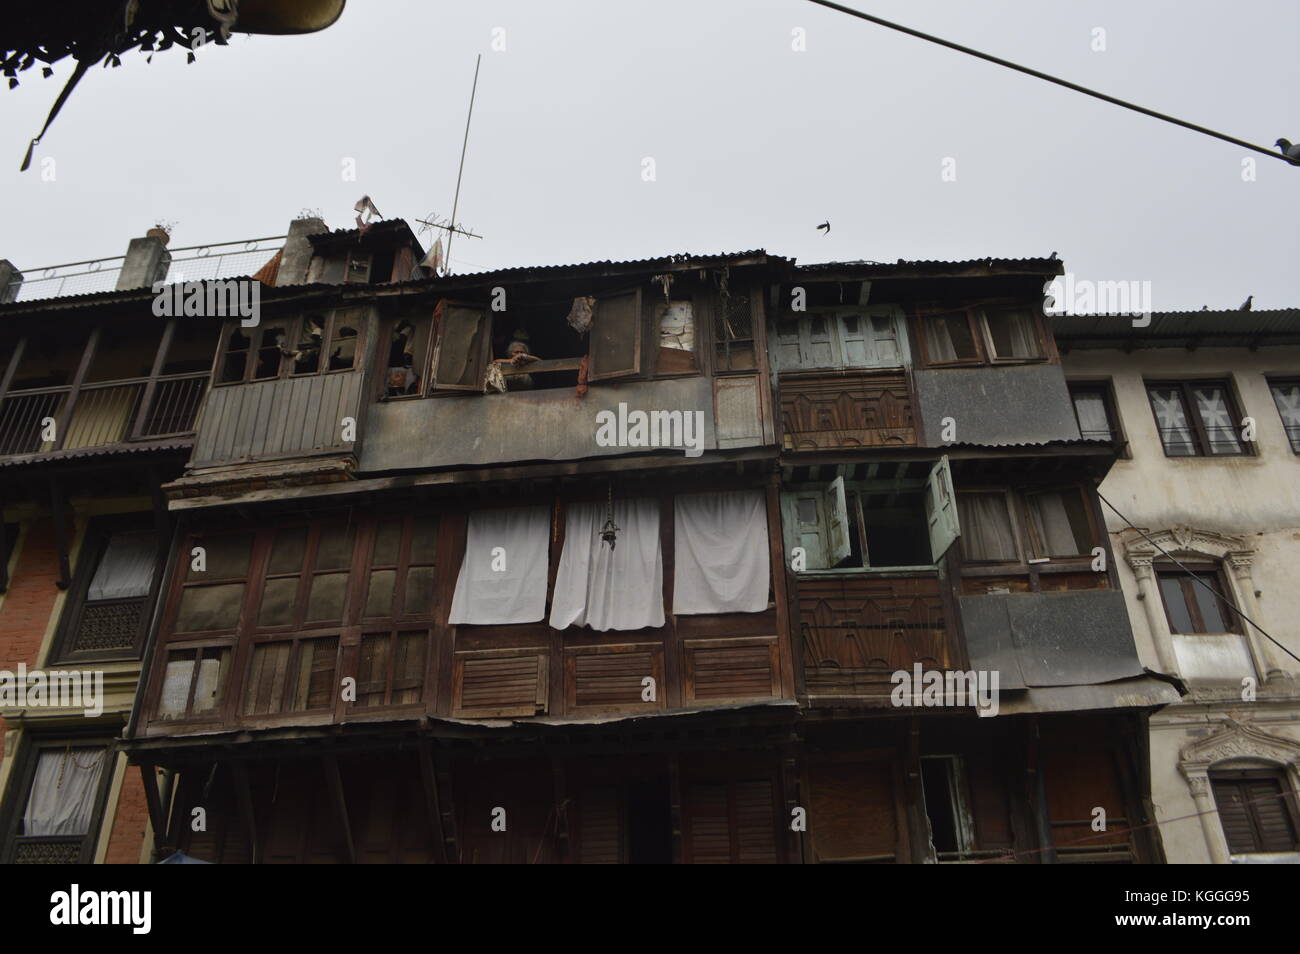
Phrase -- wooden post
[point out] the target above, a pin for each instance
(334, 781)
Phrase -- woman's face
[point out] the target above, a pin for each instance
(517, 347)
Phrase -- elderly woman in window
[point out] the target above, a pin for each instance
(517, 356)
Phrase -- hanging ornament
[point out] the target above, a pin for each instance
(609, 532)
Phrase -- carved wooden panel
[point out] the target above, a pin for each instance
(849, 410)
(858, 631)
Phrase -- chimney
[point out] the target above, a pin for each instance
(11, 281)
(295, 257)
(146, 262)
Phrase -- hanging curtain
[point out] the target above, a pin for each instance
(1220, 428)
(1090, 410)
(1012, 333)
(721, 562)
(986, 532)
(126, 569)
(604, 588)
(508, 586)
(63, 791)
(938, 339)
(1052, 525)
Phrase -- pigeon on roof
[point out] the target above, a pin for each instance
(1247, 304)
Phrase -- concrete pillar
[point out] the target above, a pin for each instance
(146, 262)
(1267, 659)
(295, 257)
(11, 281)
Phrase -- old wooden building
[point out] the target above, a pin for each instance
(649, 561)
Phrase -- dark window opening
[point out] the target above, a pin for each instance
(344, 343)
(896, 529)
(734, 334)
(548, 338)
(1191, 603)
(405, 359)
(649, 822)
(236, 357)
(269, 353)
(381, 266)
(306, 357)
(945, 806)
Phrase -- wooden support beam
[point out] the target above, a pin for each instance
(153, 801)
(429, 777)
(151, 386)
(675, 805)
(74, 393)
(244, 792)
(334, 782)
(563, 845)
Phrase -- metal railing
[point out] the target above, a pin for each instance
(218, 260)
(42, 420)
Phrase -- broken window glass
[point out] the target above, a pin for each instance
(676, 323)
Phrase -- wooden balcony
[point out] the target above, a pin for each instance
(827, 411)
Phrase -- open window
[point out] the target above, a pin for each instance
(989, 334)
(404, 368)
(866, 524)
(947, 806)
(674, 322)
(616, 336)
(462, 351)
(1040, 525)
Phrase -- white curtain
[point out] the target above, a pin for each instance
(1012, 333)
(63, 792)
(986, 528)
(721, 562)
(938, 339)
(503, 576)
(1053, 525)
(1090, 411)
(604, 588)
(126, 569)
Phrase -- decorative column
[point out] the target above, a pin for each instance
(1265, 654)
(1199, 782)
(1157, 624)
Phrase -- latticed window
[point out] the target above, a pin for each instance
(734, 333)
(108, 610)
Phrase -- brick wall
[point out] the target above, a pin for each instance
(127, 838)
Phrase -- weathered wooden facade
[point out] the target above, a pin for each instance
(641, 594)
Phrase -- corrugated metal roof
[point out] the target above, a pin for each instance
(681, 258)
(905, 266)
(1171, 329)
(111, 450)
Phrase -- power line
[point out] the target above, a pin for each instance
(1051, 79)
(1195, 577)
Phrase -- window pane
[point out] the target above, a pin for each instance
(424, 540)
(1059, 523)
(419, 591)
(379, 598)
(1012, 333)
(948, 338)
(1212, 405)
(277, 602)
(212, 669)
(62, 799)
(1213, 612)
(226, 557)
(372, 669)
(209, 607)
(1090, 412)
(408, 668)
(344, 352)
(269, 353)
(1287, 398)
(314, 682)
(267, 672)
(126, 569)
(1180, 619)
(986, 532)
(807, 507)
(176, 684)
(335, 551)
(1171, 421)
(388, 540)
(326, 601)
(287, 553)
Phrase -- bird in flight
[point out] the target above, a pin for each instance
(825, 227)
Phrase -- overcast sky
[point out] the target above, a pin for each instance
(753, 143)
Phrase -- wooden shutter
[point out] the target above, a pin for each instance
(941, 509)
(1254, 815)
(616, 336)
(837, 523)
(853, 811)
(600, 826)
(461, 355)
(800, 531)
(732, 822)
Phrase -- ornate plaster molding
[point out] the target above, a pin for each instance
(1141, 551)
(1236, 740)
